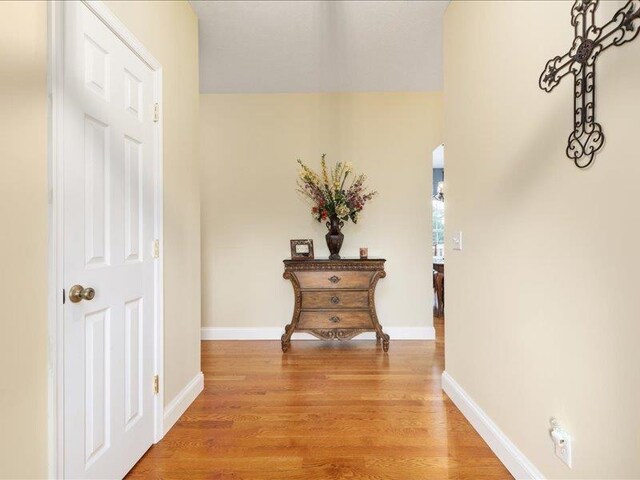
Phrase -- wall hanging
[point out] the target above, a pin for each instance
(589, 42)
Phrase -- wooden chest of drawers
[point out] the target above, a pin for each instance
(334, 299)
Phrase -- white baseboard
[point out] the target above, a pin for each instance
(513, 459)
(396, 333)
(174, 410)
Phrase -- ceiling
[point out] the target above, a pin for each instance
(320, 46)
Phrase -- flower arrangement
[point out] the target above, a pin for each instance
(329, 194)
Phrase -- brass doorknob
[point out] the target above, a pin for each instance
(78, 293)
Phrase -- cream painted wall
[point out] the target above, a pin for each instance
(23, 241)
(542, 303)
(250, 209)
(169, 30)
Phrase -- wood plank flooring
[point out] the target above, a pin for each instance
(322, 411)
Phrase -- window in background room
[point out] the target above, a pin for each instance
(437, 202)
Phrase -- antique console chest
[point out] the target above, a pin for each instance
(334, 299)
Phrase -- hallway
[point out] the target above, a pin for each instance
(322, 411)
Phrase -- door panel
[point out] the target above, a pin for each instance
(133, 214)
(108, 158)
(133, 94)
(133, 361)
(97, 384)
(96, 67)
(96, 191)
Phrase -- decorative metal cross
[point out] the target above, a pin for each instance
(590, 41)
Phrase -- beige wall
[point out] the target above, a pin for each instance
(250, 209)
(23, 239)
(169, 30)
(542, 303)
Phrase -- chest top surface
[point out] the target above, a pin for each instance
(342, 264)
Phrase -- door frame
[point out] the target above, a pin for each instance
(55, 91)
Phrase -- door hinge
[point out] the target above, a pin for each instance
(156, 384)
(156, 249)
(156, 112)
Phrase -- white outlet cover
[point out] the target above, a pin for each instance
(562, 443)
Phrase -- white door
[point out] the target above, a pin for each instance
(108, 156)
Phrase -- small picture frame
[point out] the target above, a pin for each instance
(364, 253)
(302, 249)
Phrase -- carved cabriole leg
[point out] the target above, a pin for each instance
(289, 329)
(285, 340)
(372, 310)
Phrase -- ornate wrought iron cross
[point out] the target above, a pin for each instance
(590, 41)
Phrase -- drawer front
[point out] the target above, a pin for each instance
(334, 279)
(335, 299)
(337, 319)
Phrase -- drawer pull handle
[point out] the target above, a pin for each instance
(334, 319)
(334, 279)
(335, 300)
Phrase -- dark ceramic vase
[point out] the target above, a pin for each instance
(334, 237)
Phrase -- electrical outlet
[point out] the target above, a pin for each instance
(561, 442)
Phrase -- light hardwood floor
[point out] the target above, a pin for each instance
(322, 411)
